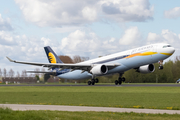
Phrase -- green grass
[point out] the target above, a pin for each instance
(8, 114)
(127, 97)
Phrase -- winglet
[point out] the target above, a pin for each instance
(10, 59)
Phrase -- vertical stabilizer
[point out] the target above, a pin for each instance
(52, 57)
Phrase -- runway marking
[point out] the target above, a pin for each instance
(23, 107)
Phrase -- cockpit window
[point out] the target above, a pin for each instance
(166, 46)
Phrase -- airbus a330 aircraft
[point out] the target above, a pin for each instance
(141, 58)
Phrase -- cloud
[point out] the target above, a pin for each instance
(23, 47)
(58, 13)
(131, 35)
(89, 13)
(153, 37)
(127, 10)
(6, 38)
(87, 44)
(172, 13)
(170, 37)
(5, 24)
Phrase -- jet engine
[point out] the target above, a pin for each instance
(146, 68)
(99, 70)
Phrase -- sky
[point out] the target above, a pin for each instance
(89, 28)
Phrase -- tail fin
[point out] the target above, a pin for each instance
(52, 57)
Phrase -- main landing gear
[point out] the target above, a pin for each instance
(160, 64)
(120, 80)
(93, 81)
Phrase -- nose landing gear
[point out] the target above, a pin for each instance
(160, 67)
(160, 64)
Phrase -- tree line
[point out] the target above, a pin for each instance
(75, 59)
(11, 73)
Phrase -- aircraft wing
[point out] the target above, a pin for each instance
(83, 67)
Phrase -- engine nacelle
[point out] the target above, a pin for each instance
(146, 68)
(99, 70)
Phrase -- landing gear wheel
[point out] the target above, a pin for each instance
(96, 80)
(160, 67)
(123, 79)
(93, 81)
(89, 82)
(116, 82)
(160, 64)
(120, 82)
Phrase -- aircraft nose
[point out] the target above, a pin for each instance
(172, 50)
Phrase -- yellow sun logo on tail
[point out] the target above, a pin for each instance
(52, 58)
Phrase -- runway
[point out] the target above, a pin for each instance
(23, 107)
(98, 85)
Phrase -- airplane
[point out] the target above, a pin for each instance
(141, 59)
